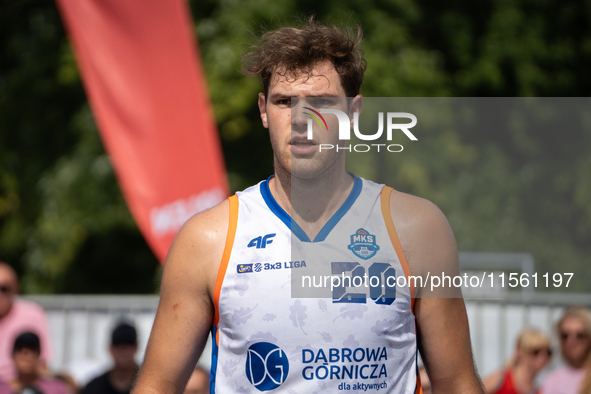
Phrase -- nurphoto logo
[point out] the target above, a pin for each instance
(345, 129)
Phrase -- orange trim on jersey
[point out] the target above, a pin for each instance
(225, 259)
(419, 389)
(385, 200)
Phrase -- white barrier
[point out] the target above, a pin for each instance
(81, 324)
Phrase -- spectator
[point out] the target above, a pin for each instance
(532, 353)
(198, 382)
(574, 331)
(25, 354)
(16, 317)
(119, 379)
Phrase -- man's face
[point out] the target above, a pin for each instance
(123, 355)
(287, 123)
(8, 288)
(574, 341)
(26, 361)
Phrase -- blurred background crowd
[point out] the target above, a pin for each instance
(25, 352)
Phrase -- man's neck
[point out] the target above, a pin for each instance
(24, 380)
(311, 202)
(122, 378)
(576, 364)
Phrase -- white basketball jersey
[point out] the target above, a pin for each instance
(357, 335)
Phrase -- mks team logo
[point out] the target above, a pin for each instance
(363, 244)
(261, 242)
(244, 268)
(266, 366)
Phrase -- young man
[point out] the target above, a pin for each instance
(229, 267)
(29, 379)
(119, 379)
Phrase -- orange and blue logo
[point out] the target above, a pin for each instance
(244, 268)
(363, 244)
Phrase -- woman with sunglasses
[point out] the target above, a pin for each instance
(532, 353)
(574, 331)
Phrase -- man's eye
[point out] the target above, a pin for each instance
(322, 102)
(284, 101)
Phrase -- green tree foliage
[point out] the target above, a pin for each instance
(59, 199)
(64, 224)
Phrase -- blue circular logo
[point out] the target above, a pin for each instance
(266, 366)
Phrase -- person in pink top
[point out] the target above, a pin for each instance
(28, 380)
(16, 317)
(574, 330)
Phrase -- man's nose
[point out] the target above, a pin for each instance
(299, 120)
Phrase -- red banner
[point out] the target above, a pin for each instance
(145, 84)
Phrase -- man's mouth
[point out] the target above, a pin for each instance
(302, 142)
(302, 146)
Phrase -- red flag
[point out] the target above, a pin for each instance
(145, 84)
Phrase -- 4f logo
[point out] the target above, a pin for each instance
(261, 242)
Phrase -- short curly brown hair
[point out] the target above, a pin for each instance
(298, 50)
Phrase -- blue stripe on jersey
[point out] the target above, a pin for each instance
(417, 374)
(332, 222)
(280, 212)
(214, 360)
(294, 227)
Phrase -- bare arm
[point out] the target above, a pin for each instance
(185, 312)
(444, 337)
(445, 345)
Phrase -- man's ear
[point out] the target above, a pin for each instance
(355, 106)
(263, 109)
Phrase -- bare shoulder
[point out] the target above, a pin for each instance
(197, 250)
(208, 227)
(424, 232)
(415, 213)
